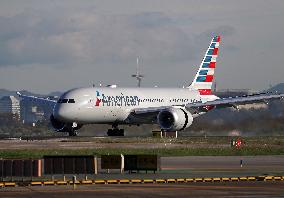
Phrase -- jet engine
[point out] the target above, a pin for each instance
(61, 126)
(174, 119)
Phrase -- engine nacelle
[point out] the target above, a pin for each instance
(174, 119)
(61, 126)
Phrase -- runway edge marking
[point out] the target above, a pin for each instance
(144, 181)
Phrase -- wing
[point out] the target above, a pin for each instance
(149, 115)
(38, 100)
(235, 101)
(144, 115)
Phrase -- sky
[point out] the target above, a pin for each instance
(51, 45)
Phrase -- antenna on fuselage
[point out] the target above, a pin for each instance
(138, 76)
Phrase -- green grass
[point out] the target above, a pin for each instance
(186, 146)
(29, 153)
(259, 140)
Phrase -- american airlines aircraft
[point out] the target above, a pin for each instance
(173, 109)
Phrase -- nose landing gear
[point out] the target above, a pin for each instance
(115, 131)
(73, 131)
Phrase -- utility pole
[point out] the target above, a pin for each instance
(138, 76)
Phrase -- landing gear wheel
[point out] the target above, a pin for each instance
(121, 132)
(110, 132)
(73, 133)
(115, 132)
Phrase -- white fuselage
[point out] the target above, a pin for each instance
(114, 105)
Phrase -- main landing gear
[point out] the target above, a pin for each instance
(115, 131)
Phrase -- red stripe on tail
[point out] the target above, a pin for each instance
(212, 64)
(209, 78)
(205, 91)
(218, 39)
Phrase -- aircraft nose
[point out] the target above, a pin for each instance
(62, 113)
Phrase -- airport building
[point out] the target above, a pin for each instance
(32, 113)
(10, 104)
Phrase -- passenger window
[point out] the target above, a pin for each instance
(64, 100)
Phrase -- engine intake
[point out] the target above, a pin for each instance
(174, 119)
(56, 124)
(61, 126)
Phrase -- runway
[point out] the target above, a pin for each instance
(192, 167)
(206, 166)
(232, 189)
(220, 166)
(171, 167)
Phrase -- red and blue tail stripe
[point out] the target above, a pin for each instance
(205, 75)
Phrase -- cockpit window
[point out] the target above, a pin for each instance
(60, 101)
(66, 101)
(71, 101)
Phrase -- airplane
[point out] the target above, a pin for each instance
(173, 109)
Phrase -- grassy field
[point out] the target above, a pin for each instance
(252, 146)
(213, 141)
(161, 152)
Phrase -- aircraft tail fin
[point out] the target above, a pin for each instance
(204, 78)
